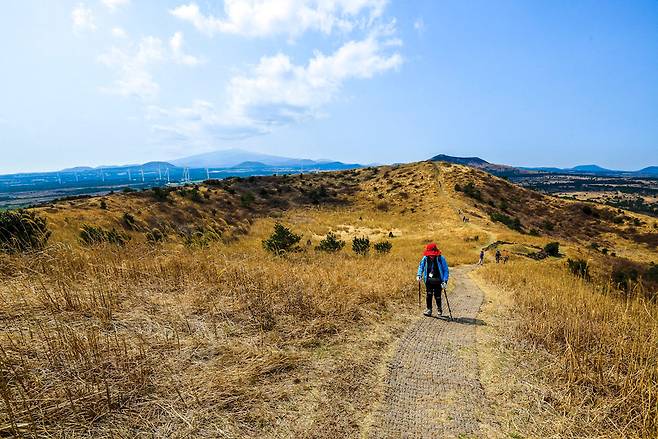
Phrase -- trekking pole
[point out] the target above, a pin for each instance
(418, 294)
(445, 291)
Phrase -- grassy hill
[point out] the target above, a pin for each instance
(174, 320)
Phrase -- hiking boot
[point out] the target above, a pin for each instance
(440, 312)
(428, 312)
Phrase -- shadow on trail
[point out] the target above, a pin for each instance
(462, 320)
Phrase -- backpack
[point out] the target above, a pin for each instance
(434, 277)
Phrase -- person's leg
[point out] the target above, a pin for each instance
(428, 297)
(437, 297)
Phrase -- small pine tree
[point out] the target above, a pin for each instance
(361, 246)
(331, 243)
(282, 240)
(383, 247)
(552, 249)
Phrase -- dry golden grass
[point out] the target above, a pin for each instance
(601, 349)
(225, 340)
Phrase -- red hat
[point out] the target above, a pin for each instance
(431, 250)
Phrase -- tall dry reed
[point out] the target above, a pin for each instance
(606, 343)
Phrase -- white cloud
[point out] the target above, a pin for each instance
(112, 5)
(276, 92)
(419, 25)
(260, 18)
(280, 92)
(133, 65)
(176, 46)
(83, 19)
(119, 32)
(201, 124)
(133, 68)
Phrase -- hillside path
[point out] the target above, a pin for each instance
(432, 388)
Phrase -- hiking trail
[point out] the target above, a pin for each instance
(432, 388)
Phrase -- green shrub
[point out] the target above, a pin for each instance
(512, 223)
(383, 247)
(282, 240)
(155, 235)
(318, 195)
(160, 194)
(201, 238)
(470, 190)
(579, 267)
(624, 277)
(361, 246)
(552, 249)
(652, 273)
(331, 243)
(247, 199)
(22, 231)
(92, 235)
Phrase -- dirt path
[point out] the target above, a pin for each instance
(433, 389)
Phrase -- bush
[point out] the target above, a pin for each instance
(623, 277)
(22, 231)
(195, 196)
(587, 210)
(552, 249)
(201, 238)
(382, 206)
(331, 243)
(247, 199)
(512, 223)
(579, 267)
(470, 190)
(361, 246)
(160, 194)
(383, 247)
(103, 205)
(155, 235)
(129, 221)
(92, 235)
(282, 240)
(318, 195)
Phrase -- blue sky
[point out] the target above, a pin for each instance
(519, 82)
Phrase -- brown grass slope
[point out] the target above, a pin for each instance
(204, 334)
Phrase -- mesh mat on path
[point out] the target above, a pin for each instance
(433, 388)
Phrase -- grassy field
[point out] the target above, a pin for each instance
(205, 334)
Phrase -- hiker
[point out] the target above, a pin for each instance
(481, 261)
(433, 270)
(497, 256)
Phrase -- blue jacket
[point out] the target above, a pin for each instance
(443, 268)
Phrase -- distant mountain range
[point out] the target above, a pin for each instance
(477, 162)
(227, 159)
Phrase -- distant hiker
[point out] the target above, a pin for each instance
(497, 256)
(433, 270)
(481, 261)
(505, 257)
